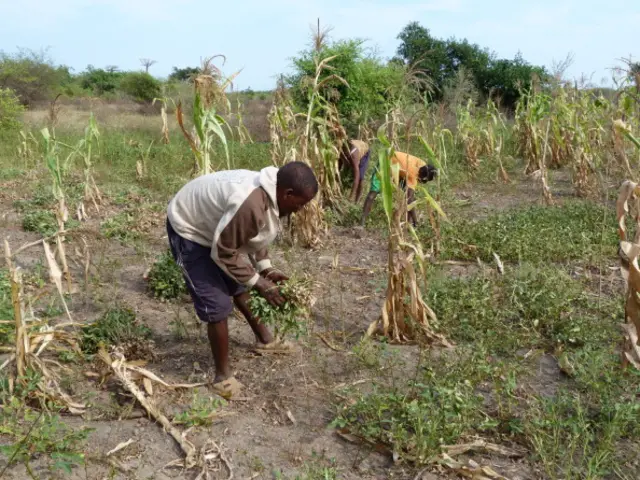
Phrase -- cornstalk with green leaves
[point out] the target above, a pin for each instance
(405, 315)
(317, 147)
(209, 94)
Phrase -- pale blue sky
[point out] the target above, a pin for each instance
(260, 36)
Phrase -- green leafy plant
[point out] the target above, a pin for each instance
(39, 434)
(202, 411)
(165, 280)
(42, 222)
(6, 310)
(290, 318)
(140, 86)
(209, 97)
(415, 420)
(116, 326)
(10, 110)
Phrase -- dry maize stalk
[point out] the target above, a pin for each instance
(201, 459)
(32, 338)
(630, 270)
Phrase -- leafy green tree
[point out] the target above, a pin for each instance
(140, 86)
(369, 81)
(506, 78)
(442, 60)
(99, 81)
(183, 74)
(32, 76)
(10, 110)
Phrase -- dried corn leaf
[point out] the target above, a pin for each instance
(499, 263)
(628, 190)
(55, 274)
(482, 446)
(119, 447)
(631, 337)
(121, 371)
(152, 376)
(148, 386)
(470, 469)
(47, 338)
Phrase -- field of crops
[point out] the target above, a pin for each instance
(486, 343)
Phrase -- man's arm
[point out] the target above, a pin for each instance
(244, 225)
(262, 260)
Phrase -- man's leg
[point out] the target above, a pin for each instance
(411, 214)
(262, 333)
(368, 204)
(356, 181)
(218, 334)
(359, 191)
(210, 295)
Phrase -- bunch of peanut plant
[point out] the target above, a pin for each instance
(290, 318)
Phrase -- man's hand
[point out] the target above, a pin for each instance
(269, 291)
(276, 276)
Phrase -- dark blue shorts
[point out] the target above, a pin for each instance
(211, 289)
(364, 163)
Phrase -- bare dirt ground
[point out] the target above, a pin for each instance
(282, 421)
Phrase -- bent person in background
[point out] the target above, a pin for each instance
(355, 156)
(412, 171)
(219, 228)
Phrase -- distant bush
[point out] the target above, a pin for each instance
(183, 74)
(10, 110)
(140, 86)
(99, 81)
(32, 76)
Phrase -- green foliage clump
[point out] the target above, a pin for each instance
(438, 408)
(443, 59)
(42, 222)
(10, 110)
(115, 327)
(183, 74)
(140, 86)
(526, 308)
(290, 317)
(576, 230)
(165, 280)
(202, 411)
(32, 76)
(370, 81)
(6, 309)
(98, 81)
(61, 445)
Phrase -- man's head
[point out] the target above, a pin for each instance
(296, 185)
(427, 173)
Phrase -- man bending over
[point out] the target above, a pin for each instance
(219, 228)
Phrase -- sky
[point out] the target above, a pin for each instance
(261, 36)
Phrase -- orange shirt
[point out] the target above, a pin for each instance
(409, 167)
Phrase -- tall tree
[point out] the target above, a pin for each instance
(442, 59)
(146, 63)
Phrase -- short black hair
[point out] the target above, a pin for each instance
(299, 177)
(428, 171)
